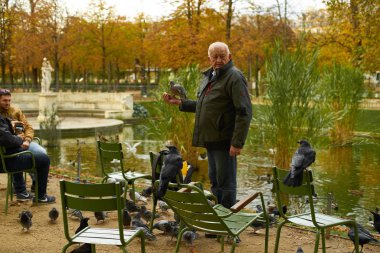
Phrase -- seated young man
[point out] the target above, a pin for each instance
(13, 144)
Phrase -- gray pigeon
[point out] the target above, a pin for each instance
(162, 205)
(131, 206)
(302, 158)
(299, 250)
(148, 235)
(146, 214)
(171, 168)
(189, 237)
(53, 214)
(101, 215)
(76, 213)
(26, 220)
(177, 90)
(137, 222)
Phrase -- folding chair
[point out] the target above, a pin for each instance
(32, 169)
(96, 197)
(312, 219)
(195, 212)
(112, 152)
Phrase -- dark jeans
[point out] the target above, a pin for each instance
(23, 162)
(222, 174)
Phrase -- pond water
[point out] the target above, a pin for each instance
(351, 174)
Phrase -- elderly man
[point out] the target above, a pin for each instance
(24, 130)
(223, 112)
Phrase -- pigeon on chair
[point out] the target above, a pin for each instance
(302, 158)
(171, 168)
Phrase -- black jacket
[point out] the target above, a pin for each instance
(223, 110)
(8, 139)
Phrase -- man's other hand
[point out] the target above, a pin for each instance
(234, 151)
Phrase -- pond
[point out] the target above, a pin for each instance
(351, 173)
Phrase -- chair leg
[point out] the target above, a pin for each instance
(233, 245)
(316, 241)
(9, 193)
(66, 247)
(179, 238)
(153, 212)
(142, 244)
(357, 239)
(323, 240)
(36, 190)
(278, 236)
(133, 192)
(122, 248)
(93, 249)
(266, 236)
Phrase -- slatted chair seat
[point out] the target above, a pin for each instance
(195, 212)
(92, 198)
(105, 236)
(311, 219)
(109, 151)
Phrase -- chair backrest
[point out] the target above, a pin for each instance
(306, 189)
(91, 197)
(156, 161)
(109, 151)
(191, 205)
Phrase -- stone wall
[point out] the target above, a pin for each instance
(110, 105)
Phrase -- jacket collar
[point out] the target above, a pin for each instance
(218, 72)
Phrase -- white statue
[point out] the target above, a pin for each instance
(46, 70)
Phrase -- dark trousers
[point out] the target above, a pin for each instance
(222, 174)
(23, 162)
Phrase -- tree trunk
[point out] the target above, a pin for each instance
(229, 20)
(257, 79)
(34, 78)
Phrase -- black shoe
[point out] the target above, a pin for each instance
(46, 199)
(23, 196)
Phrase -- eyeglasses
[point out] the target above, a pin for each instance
(5, 92)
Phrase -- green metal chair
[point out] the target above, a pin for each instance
(156, 162)
(3, 157)
(112, 151)
(97, 197)
(313, 219)
(195, 212)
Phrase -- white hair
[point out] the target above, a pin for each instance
(218, 44)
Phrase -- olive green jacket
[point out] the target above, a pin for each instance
(223, 110)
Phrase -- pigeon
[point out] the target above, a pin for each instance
(126, 218)
(171, 168)
(165, 226)
(100, 215)
(83, 224)
(147, 192)
(189, 237)
(299, 250)
(137, 222)
(364, 236)
(53, 214)
(77, 214)
(148, 235)
(26, 220)
(177, 90)
(376, 221)
(302, 158)
(131, 206)
(162, 205)
(138, 197)
(84, 248)
(146, 214)
(277, 213)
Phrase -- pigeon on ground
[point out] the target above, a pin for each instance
(171, 168)
(364, 236)
(131, 206)
(101, 215)
(165, 226)
(148, 235)
(138, 197)
(76, 213)
(126, 218)
(137, 222)
(177, 90)
(376, 221)
(146, 214)
(162, 205)
(302, 158)
(84, 248)
(26, 220)
(189, 237)
(53, 214)
(299, 250)
(83, 224)
(277, 213)
(147, 192)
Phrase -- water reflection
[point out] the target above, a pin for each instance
(352, 174)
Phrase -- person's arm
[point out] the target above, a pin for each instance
(28, 129)
(7, 139)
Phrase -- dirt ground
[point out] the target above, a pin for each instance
(48, 237)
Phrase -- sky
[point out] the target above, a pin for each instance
(159, 8)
